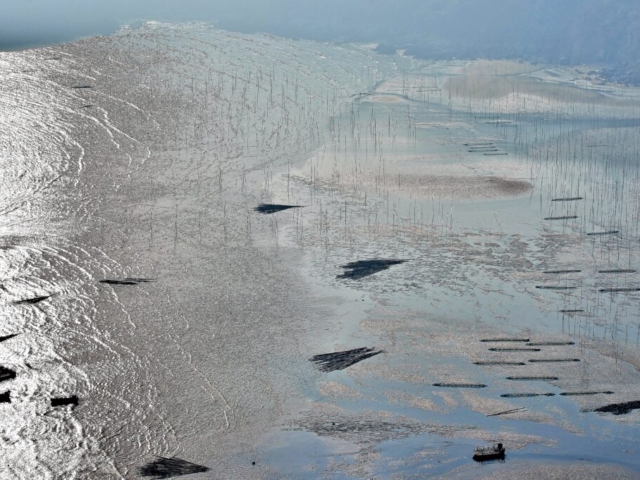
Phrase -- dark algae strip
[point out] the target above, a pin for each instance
(496, 349)
(32, 301)
(554, 287)
(329, 362)
(5, 397)
(61, 402)
(619, 408)
(555, 360)
(460, 385)
(618, 270)
(268, 208)
(615, 290)
(532, 378)
(126, 281)
(576, 394)
(6, 374)
(609, 232)
(561, 271)
(498, 363)
(364, 268)
(526, 395)
(164, 467)
(487, 340)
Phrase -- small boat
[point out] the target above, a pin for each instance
(494, 452)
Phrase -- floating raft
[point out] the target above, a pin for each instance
(6, 374)
(7, 337)
(61, 402)
(32, 301)
(268, 208)
(364, 268)
(532, 378)
(329, 362)
(164, 467)
(460, 385)
(619, 408)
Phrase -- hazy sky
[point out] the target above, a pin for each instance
(572, 31)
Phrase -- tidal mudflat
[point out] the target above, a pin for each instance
(155, 271)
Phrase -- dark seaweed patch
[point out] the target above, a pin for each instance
(561, 271)
(566, 199)
(574, 394)
(554, 360)
(496, 349)
(554, 287)
(549, 344)
(499, 363)
(609, 232)
(268, 208)
(526, 395)
(460, 385)
(31, 301)
(7, 337)
(329, 362)
(5, 397)
(127, 281)
(619, 408)
(6, 374)
(504, 340)
(618, 270)
(532, 378)
(164, 467)
(562, 217)
(61, 402)
(615, 290)
(364, 268)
